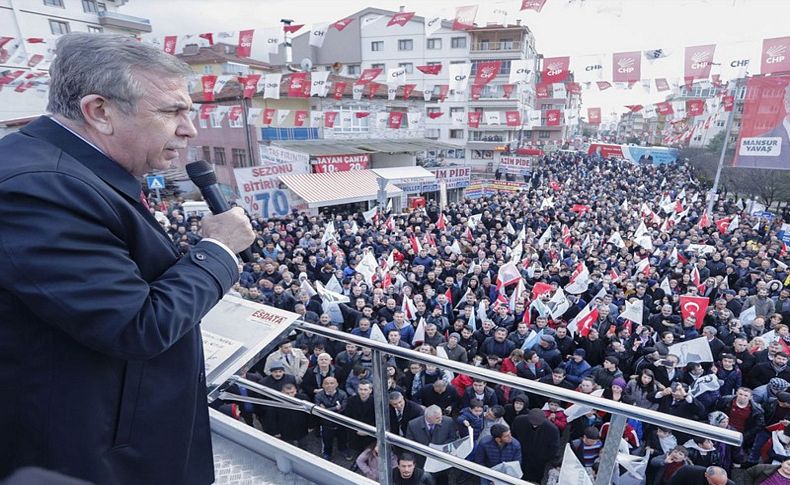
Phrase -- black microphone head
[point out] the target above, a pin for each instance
(201, 173)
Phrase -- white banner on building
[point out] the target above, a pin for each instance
(318, 34)
(260, 191)
(316, 119)
(591, 68)
(271, 86)
(396, 76)
(319, 85)
(493, 118)
(432, 25)
(459, 76)
(268, 40)
(519, 70)
(454, 178)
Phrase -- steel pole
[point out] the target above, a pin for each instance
(381, 403)
(608, 464)
(727, 128)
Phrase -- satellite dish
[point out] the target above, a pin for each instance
(306, 64)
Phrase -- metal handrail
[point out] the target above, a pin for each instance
(683, 425)
(311, 408)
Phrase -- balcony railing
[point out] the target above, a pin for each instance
(510, 46)
(121, 21)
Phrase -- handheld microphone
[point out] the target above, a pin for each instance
(202, 175)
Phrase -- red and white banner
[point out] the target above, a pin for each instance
(369, 75)
(487, 71)
(208, 82)
(338, 89)
(170, 43)
(603, 85)
(573, 88)
(443, 90)
(474, 118)
(727, 103)
(299, 85)
(695, 107)
(594, 116)
(542, 91)
(694, 306)
(763, 141)
(512, 118)
(507, 90)
(400, 18)
(300, 117)
(244, 47)
(407, 90)
(626, 66)
(340, 163)
(477, 90)
(250, 84)
(373, 89)
(664, 108)
(395, 119)
(662, 85)
(205, 111)
(536, 5)
(342, 24)
(268, 116)
(235, 112)
(553, 117)
(555, 69)
(329, 119)
(465, 17)
(775, 55)
(431, 69)
(698, 61)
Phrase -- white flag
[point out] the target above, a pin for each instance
(665, 286)
(558, 91)
(696, 350)
(330, 296)
(633, 311)
(545, 238)
(356, 91)
(254, 116)
(319, 85)
(316, 119)
(419, 332)
(329, 233)
(460, 448)
(369, 215)
(455, 247)
(747, 316)
(318, 34)
(334, 285)
(432, 25)
(508, 273)
(641, 230)
(519, 70)
(396, 76)
(533, 118)
(493, 118)
(270, 39)
(305, 287)
(282, 114)
(572, 471)
(392, 91)
(271, 86)
(474, 220)
(367, 21)
(376, 333)
(459, 76)
(367, 267)
(414, 118)
(580, 280)
(559, 304)
(427, 93)
(617, 240)
(645, 241)
(221, 82)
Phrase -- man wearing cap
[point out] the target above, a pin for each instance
(547, 350)
(577, 368)
(769, 392)
(454, 351)
(540, 444)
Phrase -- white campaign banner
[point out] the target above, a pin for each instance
(696, 350)
(260, 191)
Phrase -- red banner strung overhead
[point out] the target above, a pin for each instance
(395, 119)
(474, 118)
(698, 61)
(555, 69)
(208, 82)
(368, 75)
(329, 119)
(342, 24)
(432, 69)
(775, 56)
(507, 90)
(250, 84)
(553, 117)
(297, 85)
(400, 18)
(626, 66)
(407, 89)
(244, 47)
(486, 71)
(338, 89)
(300, 117)
(594, 116)
(536, 5)
(695, 107)
(512, 118)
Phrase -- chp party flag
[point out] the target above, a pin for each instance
(698, 61)
(208, 82)
(520, 70)
(430, 69)
(250, 83)
(695, 107)
(508, 274)
(329, 119)
(369, 75)
(507, 89)
(594, 116)
(626, 66)
(694, 306)
(338, 88)
(318, 34)
(432, 25)
(553, 117)
(486, 71)
(268, 116)
(465, 17)
(297, 84)
(395, 119)
(512, 118)
(407, 90)
(342, 24)
(474, 118)
(536, 5)
(299, 117)
(400, 18)
(775, 55)
(319, 85)
(555, 69)
(244, 47)
(695, 350)
(271, 85)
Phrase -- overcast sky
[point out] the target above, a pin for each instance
(564, 27)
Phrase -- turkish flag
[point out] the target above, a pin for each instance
(723, 224)
(594, 116)
(400, 18)
(368, 75)
(342, 24)
(552, 117)
(395, 119)
(727, 102)
(338, 88)
(299, 117)
(291, 29)
(698, 61)
(555, 69)
(250, 84)
(407, 89)
(585, 324)
(626, 66)
(507, 90)
(329, 119)
(512, 118)
(244, 47)
(477, 89)
(268, 116)
(775, 56)
(694, 306)
(474, 118)
(435, 114)
(542, 90)
(486, 71)
(296, 86)
(432, 69)
(536, 5)
(664, 108)
(208, 83)
(695, 107)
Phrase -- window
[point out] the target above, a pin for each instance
(409, 67)
(544, 134)
(455, 111)
(377, 45)
(101, 6)
(434, 44)
(506, 44)
(378, 66)
(59, 28)
(216, 119)
(353, 70)
(239, 157)
(456, 134)
(484, 45)
(208, 69)
(89, 6)
(433, 133)
(458, 42)
(434, 63)
(237, 123)
(457, 62)
(219, 156)
(207, 153)
(54, 3)
(95, 29)
(720, 123)
(405, 45)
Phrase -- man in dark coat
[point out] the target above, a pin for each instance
(699, 475)
(100, 339)
(402, 411)
(540, 444)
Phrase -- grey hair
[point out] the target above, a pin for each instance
(432, 411)
(104, 64)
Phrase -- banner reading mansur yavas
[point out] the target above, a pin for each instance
(764, 139)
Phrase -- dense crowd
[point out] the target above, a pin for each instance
(440, 279)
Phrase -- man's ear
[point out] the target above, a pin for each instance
(97, 113)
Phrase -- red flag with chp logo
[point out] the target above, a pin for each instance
(698, 61)
(208, 82)
(626, 66)
(244, 48)
(594, 116)
(555, 69)
(487, 71)
(775, 55)
(553, 117)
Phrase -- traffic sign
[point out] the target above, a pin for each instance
(155, 182)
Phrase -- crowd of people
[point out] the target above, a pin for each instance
(439, 289)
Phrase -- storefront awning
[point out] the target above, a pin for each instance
(325, 189)
(406, 175)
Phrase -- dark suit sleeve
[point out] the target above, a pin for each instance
(63, 253)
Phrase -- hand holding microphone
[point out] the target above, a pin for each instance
(228, 226)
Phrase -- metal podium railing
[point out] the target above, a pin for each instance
(620, 411)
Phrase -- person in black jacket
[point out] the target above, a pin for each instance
(699, 475)
(407, 473)
(290, 424)
(540, 444)
(402, 411)
(764, 372)
(360, 407)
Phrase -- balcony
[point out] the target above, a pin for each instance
(126, 22)
(507, 46)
